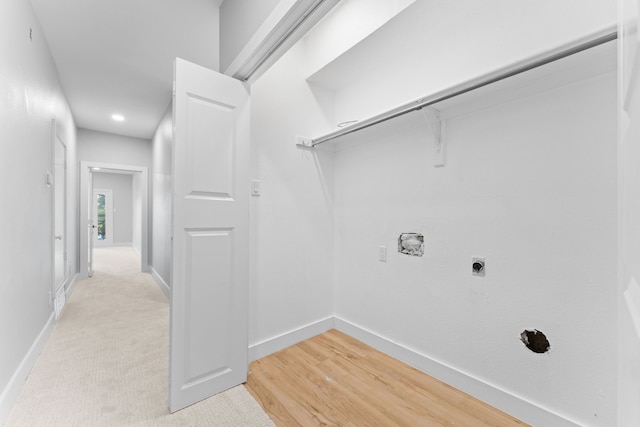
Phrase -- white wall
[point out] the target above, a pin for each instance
(121, 186)
(104, 147)
(535, 204)
(30, 96)
(162, 145)
(136, 181)
(430, 46)
(628, 350)
(292, 221)
(530, 185)
(346, 25)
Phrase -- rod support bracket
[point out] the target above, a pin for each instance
(302, 141)
(432, 116)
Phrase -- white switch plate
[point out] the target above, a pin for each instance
(255, 187)
(382, 253)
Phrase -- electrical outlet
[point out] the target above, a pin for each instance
(382, 253)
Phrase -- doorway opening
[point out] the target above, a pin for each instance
(108, 191)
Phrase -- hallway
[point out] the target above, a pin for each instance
(105, 363)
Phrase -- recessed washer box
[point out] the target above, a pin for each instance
(411, 244)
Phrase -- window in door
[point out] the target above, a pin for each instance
(102, 217)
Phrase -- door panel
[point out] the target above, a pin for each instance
(210, 246)
(91, 231)
(211, 165)
(60, 269)
(60, 214)
(208, 256)
(629, 217)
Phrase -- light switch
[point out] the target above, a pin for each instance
(255, 187)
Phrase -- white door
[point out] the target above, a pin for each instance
(59, 222)
(210, 248)
(60, 213)
(91, 225)
(629, 227)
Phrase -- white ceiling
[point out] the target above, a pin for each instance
(117, 56)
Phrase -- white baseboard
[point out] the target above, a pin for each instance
(71, 286)
(507, 402)
(12, 390)
(136, 250)
(282, 341)
(160, 281)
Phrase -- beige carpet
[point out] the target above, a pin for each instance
(106, 362)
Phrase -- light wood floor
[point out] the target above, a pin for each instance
(334, 380)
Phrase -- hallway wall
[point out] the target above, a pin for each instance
(30, 96)
(105, 147)
(162, 145)
(137, 213)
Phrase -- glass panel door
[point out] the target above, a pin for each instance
(103, 217)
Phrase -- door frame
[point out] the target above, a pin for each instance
(628, 289)
(86, 194)
(55, 137)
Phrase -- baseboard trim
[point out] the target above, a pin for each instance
(71, 286)
(160, 281)
(136, 250)
(488, 393)
(287, 339)
(12, 390)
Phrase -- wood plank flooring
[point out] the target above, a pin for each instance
(335, 380)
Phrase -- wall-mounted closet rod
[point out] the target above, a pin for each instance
(577, 46)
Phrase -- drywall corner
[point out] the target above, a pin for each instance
(161, 283)
(287, 339)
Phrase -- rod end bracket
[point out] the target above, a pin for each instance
(303, 141)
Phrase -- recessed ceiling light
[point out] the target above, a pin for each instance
(118, 117)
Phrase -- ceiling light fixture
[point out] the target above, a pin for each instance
(117, 117)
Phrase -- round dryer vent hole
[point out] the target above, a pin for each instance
(535, 341)
(477, 266)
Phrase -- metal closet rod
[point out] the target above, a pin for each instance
(600, 38)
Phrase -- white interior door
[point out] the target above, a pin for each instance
(210, 247)
(60, 213)
(629, 208)
(60, 269)
(90, 224)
